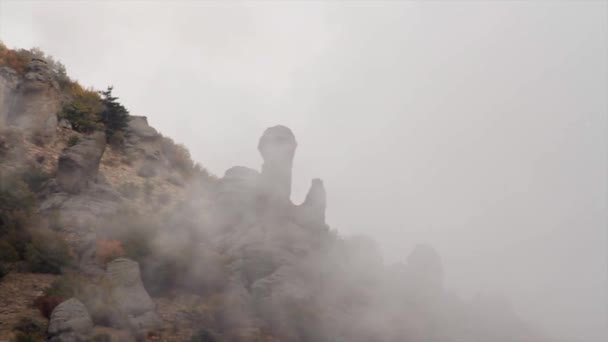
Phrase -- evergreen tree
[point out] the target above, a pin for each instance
(114, 115)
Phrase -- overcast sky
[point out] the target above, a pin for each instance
(477, 127)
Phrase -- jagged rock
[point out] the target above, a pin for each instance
(277, 146)
(36, 102)
(78, 165)
(312, 211)
(70, 322)
(142, 141)
(130, 296)
(139, 127)
(9, 79)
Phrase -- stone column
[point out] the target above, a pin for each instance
(277, 146)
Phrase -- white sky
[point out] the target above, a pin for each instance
(477, 127)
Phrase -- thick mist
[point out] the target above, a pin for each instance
(477, 128)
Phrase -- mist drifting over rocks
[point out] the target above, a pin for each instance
(156, 248)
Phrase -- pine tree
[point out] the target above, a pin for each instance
(114, 115)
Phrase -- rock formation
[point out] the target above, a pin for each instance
(130, 296)
(36, 102)
(70, 322)
(277, 146)
(312, 210)
(78, 165)
(9, 81)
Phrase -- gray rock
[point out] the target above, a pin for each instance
(37, 99)
(70, 321)
(78, 165)
(64, 123)
(277, 146)
(130, 296)
(9, 79)
(312, 211)
(127, 289)
(138, 126)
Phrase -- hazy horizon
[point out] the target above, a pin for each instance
(479, 128)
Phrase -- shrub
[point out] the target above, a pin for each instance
(203, 335)
(47, 252)
(22, 337)
(8, 253)
(3, 272)
(15, 59)
(84, 111)
(35, 178)
(108, 250)
(46, 305)
(73, 140)
(63, 288)
(28, 330)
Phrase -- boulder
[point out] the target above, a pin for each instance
(70, 321)
(131, 298)
(79, 164)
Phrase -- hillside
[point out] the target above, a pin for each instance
(110, 232)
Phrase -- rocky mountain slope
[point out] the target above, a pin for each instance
(116, 235)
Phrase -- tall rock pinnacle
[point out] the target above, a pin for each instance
(277, 146)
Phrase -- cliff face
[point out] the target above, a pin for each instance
(162, 252)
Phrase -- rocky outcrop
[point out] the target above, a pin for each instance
(312, 211)
(78, 165)
(141, 140)
(70, 322)
(36, 103)
(9, 80)
(131, 298)
(277, 146)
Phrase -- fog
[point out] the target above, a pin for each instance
(476, 127)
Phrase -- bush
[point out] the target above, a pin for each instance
(17, 203)
(28, 330)
(84, 111)
(47, 252)
(64, 287)
(73, 140)
(203, 335)
(3, 272)
(46, 305)
(35, 178)
(8, 253)
(15, 59)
